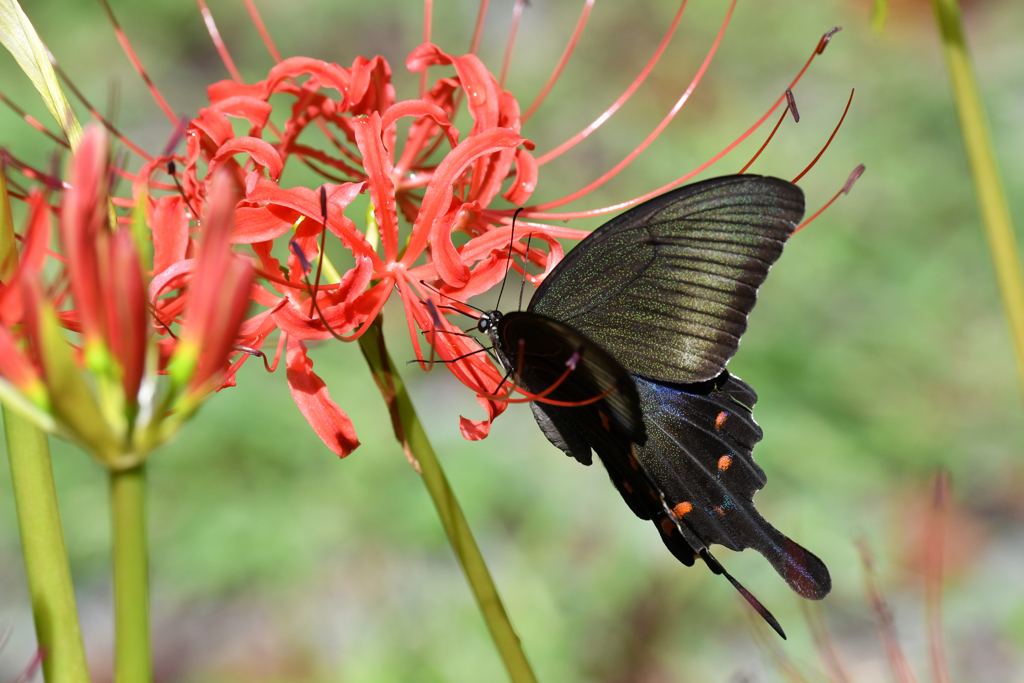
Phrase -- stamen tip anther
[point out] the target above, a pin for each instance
(853, 178)
(791, 101)
(823, 43)
(297, 250)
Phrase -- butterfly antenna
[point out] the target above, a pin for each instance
(455, 360)
(525, 263)
(716, 568)
(508, 263)
(437, 291)
(436, 324)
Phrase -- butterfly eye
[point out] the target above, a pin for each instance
(483, 324)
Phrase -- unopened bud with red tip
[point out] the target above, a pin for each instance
(218, 300)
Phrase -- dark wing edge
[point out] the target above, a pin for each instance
(667, 286)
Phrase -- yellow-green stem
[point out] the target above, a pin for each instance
(46, 559)
(987, 185)
(410, 434)
(132, 659)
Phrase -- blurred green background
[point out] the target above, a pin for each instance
(878, 350)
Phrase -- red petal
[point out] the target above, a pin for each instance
(83, 218)
(256, 111)
(310, 394)
(169, 224)
(371, 89)
(526, 179)
(438, 198)
(263, 153)
(477, 430)
(327, 75)
(377, 163)
(223, 90)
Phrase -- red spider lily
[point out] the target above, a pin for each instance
(100, 294)
(428, 186)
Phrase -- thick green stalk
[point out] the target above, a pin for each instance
(987, 185)
(46, 559)
(410, 434)
(133, 661)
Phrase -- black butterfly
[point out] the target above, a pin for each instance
(629, 337)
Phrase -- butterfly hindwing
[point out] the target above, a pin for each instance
(699, 454)
(667, 286)
(550, 358)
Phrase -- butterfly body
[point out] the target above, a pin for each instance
(626, 343)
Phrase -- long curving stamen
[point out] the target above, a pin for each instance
(536, 212)
(790, 103)
(97, 115)
(569, 48)
(517, 14)
(829, 142)
(428, 28)
(261, 28)
(133, 58)
(846, 190)
(32, 121)
(478, 29)
(607, 114)
(608, 175)
(172, 171)
(218, 42)
(323, 242)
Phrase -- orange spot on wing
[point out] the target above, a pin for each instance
(724, 462)
(632, 457)
(679, 510)
(604, 421)
(720, 420)
(667, 526)
(625, 485)
(719, 510)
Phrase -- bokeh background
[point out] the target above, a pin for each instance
(878, 350)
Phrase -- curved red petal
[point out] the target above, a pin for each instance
(263, 153)
(477, 430)
(311, 396)
(526, 179)
(438, 198)
(326, 74)
(254, 110)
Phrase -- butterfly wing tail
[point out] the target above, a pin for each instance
(802, 570)
(716, 568)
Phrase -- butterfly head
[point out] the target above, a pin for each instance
(488, 323)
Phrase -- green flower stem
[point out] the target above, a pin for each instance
(133, 661)
(46, 559)
(987, 185)
(410, 434)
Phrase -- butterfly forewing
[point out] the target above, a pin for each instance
(667, 286)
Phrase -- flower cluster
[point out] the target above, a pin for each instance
(424, 188)
(102, 390)
(357, 111)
